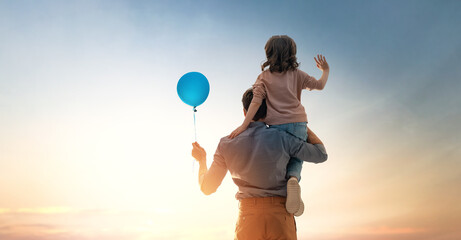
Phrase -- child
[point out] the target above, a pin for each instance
(281, 86)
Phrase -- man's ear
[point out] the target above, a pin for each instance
(244, 112)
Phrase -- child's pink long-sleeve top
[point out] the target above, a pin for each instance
(282, 92)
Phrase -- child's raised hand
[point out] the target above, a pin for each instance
(321, 63)
(237, 131)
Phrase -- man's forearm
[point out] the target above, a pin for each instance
(310, 151)
(210, 179)
(203, 169)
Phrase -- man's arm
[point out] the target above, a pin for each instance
(310, 151)
(312, 138)
(209, 180)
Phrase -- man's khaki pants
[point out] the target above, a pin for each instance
(264, 218)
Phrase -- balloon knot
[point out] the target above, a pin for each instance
(195, 110)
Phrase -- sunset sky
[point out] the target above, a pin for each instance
(95, 142)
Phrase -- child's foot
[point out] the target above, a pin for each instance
(293, 195)
(300, 210)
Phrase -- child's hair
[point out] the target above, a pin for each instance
(281, 54)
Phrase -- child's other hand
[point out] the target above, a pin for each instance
(321, 63)
(237, 131)
(198, 152)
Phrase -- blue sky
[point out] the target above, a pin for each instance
(88, 107)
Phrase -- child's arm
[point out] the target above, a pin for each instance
(325, 68)
(254, 106)
(310, 82)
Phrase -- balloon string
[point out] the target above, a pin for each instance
(195, 126)
(195, 135)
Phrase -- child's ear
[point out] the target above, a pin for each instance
(244, 112)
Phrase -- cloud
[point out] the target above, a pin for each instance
(40, 210)
(56, 223)
(385, 230)
(31, 231)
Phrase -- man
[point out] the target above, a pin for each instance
(257, 161)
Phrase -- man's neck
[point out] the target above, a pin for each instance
(260, 120)
(257, 122)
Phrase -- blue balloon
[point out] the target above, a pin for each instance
(193, 88)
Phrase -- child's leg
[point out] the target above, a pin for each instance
(294, 203)
(298, 130)
(294, 168)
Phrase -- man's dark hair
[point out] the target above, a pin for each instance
(246, 100)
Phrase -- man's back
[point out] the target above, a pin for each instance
(257, 160)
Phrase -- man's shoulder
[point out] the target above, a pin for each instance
(259, 132)
(225, 140)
